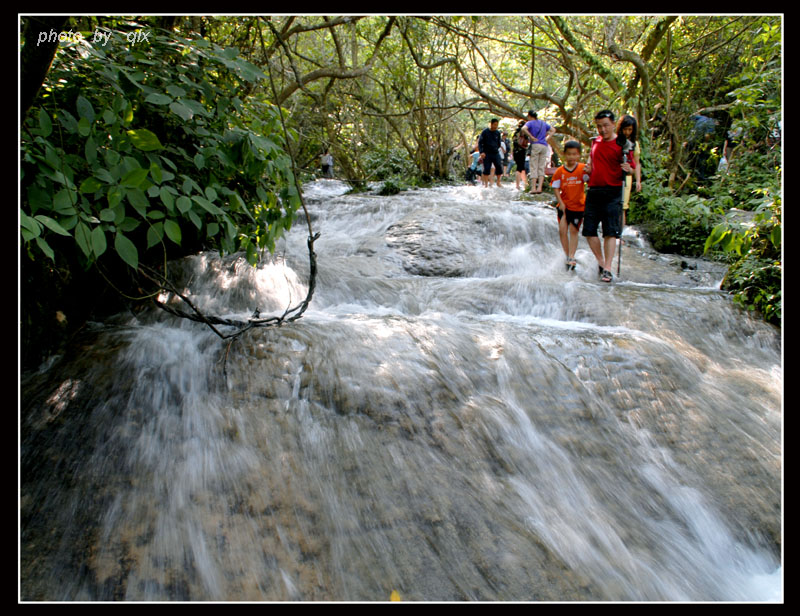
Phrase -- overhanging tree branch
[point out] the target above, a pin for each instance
(337, 72)
(598, 67)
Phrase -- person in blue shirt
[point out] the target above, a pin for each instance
(539, 132)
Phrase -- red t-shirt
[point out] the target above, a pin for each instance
(570, 183)
(606, 161)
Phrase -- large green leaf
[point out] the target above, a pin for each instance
(173, 231)
(154, 234)
(63, 201)
(98, 241)
(134, 178)
(126, 249)
(85, 109)
(138, 200)
(45, 124)
(90, 185)
(184, 204)
(206, 205)
(68, 121)
(181, 110)
(144, 140)
(775, 236)
(114, 196)
(195, 107)
(90, 150)
(84, 127)
(176, 91)
(104, 175)
(166, 198)
(83, 236)
(30, 224)
(158, 99)
(45, 248)
(51, 224)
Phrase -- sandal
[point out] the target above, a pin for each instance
(571, 263)
(607, 276)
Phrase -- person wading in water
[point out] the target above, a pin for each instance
(606, 171)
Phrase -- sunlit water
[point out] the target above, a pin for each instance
(456, 417)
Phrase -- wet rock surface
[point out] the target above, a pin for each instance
(459, 422)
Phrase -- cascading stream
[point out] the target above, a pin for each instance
(455, 417)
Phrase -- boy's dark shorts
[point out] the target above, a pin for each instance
(495, 159)
(603, 207)
(573, 217)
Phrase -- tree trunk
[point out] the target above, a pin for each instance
(40, 36)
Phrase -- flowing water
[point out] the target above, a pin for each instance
(456, 417)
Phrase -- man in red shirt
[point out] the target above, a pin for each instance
(606, 170)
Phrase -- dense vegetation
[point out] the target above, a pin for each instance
(154, 137)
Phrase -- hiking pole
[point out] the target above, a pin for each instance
(621, 224)
(625, 150)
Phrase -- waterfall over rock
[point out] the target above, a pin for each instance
(455, 417)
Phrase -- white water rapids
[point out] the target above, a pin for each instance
(455, 417)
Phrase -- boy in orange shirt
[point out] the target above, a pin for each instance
(567, 184)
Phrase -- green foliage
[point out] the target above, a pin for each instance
(682, 224)
(393, 167)
(674, 223)
(756, 285)
(390, 187)
(382, 163)
(747, 176)
(131, 147)
(755, 276)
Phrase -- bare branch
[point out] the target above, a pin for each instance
(339, 72)
(607, 75)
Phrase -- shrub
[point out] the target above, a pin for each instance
(755, 276)
(680, 224)
(130, 148)
(381, 163)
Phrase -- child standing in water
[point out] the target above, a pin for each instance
(567, 184)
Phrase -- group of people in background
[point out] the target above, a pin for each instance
(494, 155)
(528, 151)
(590, 196)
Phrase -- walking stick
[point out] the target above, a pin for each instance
(625, 149)
(621, 224)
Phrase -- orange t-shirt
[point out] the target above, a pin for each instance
(570, 183)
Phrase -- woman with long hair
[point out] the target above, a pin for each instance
(627, 128)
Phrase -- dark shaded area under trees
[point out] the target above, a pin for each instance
(136, 153)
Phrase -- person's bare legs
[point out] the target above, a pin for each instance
(563, 234)
(609, 247)
(597, 250)
(573, 242)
